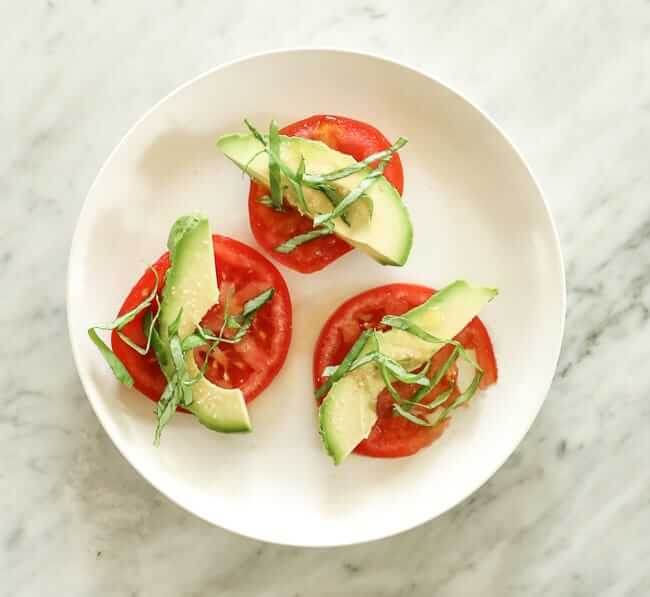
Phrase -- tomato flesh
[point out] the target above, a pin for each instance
(272, 228)
(394, 436)
(249, 365)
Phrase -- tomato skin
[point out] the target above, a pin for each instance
(272, 228)
(476, 337)
(393, 436)
(239, 267)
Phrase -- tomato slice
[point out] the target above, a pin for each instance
(394, 436)
(272, 228)
(249, 365)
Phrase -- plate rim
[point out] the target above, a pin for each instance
(75, 248)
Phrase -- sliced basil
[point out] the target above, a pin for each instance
(405, 324)
(316, 179)
(117, 367)
(293, 243)
(353, 195)
(345, 365)
(296, 185)
(275, 176)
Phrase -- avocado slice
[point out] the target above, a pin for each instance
(384, 232)
(191, 285)
(348, 412)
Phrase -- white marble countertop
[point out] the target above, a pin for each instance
(569, 514)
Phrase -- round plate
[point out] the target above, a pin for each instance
(478, 214)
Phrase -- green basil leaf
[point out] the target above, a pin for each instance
(329, 371)
(389, 384)
(191, 342)
(275, 177)
(296, 185)
(400, 373)
(209, 336)
(293, 243)
(265, 200)
(186, 393)
(406, 325)
(165, 408)
(396, 370)
(440, 399)
(411, 417)
(176, 351)
(162, 353)
(435, 379)
(253, 305)
(255, 132)
(335, 198)
(345, 365)
(173, 326)
(122, 320)
(148, 323)
(347, 171)
(117, 367)
(353, 195)
(469, 393)
(248, 163)
(231, 322)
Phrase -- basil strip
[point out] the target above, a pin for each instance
(345, 365)
(293, 243)
(273, 155)
(148, 323)
(265, 200)
(121, 321)
(166, 408)
(241, 323)
(353, 195)
(467, 395)
(389, 384)
(440, 399)
(400, 373)
(410, 416)
(335, 198)
(191, 342)
(393, 367)
(117, 367)
(435, 380)
(406, 325)
(297, 187)
(249, 162)
(329, 371)
(315, 179)
(275, 177)
(251, 307)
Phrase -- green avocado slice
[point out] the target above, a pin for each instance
(191, 289)
(385, 233)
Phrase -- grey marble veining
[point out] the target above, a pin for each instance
(569, 514)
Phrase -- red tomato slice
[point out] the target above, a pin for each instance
(249, 365)
(393, 436)
(272, 228)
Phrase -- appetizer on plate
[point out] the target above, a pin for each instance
(208, 326)
(321, 186)
(385, 367)
(205, 329)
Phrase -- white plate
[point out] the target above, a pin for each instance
(478, 214)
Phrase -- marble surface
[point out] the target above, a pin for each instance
(569, 514)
